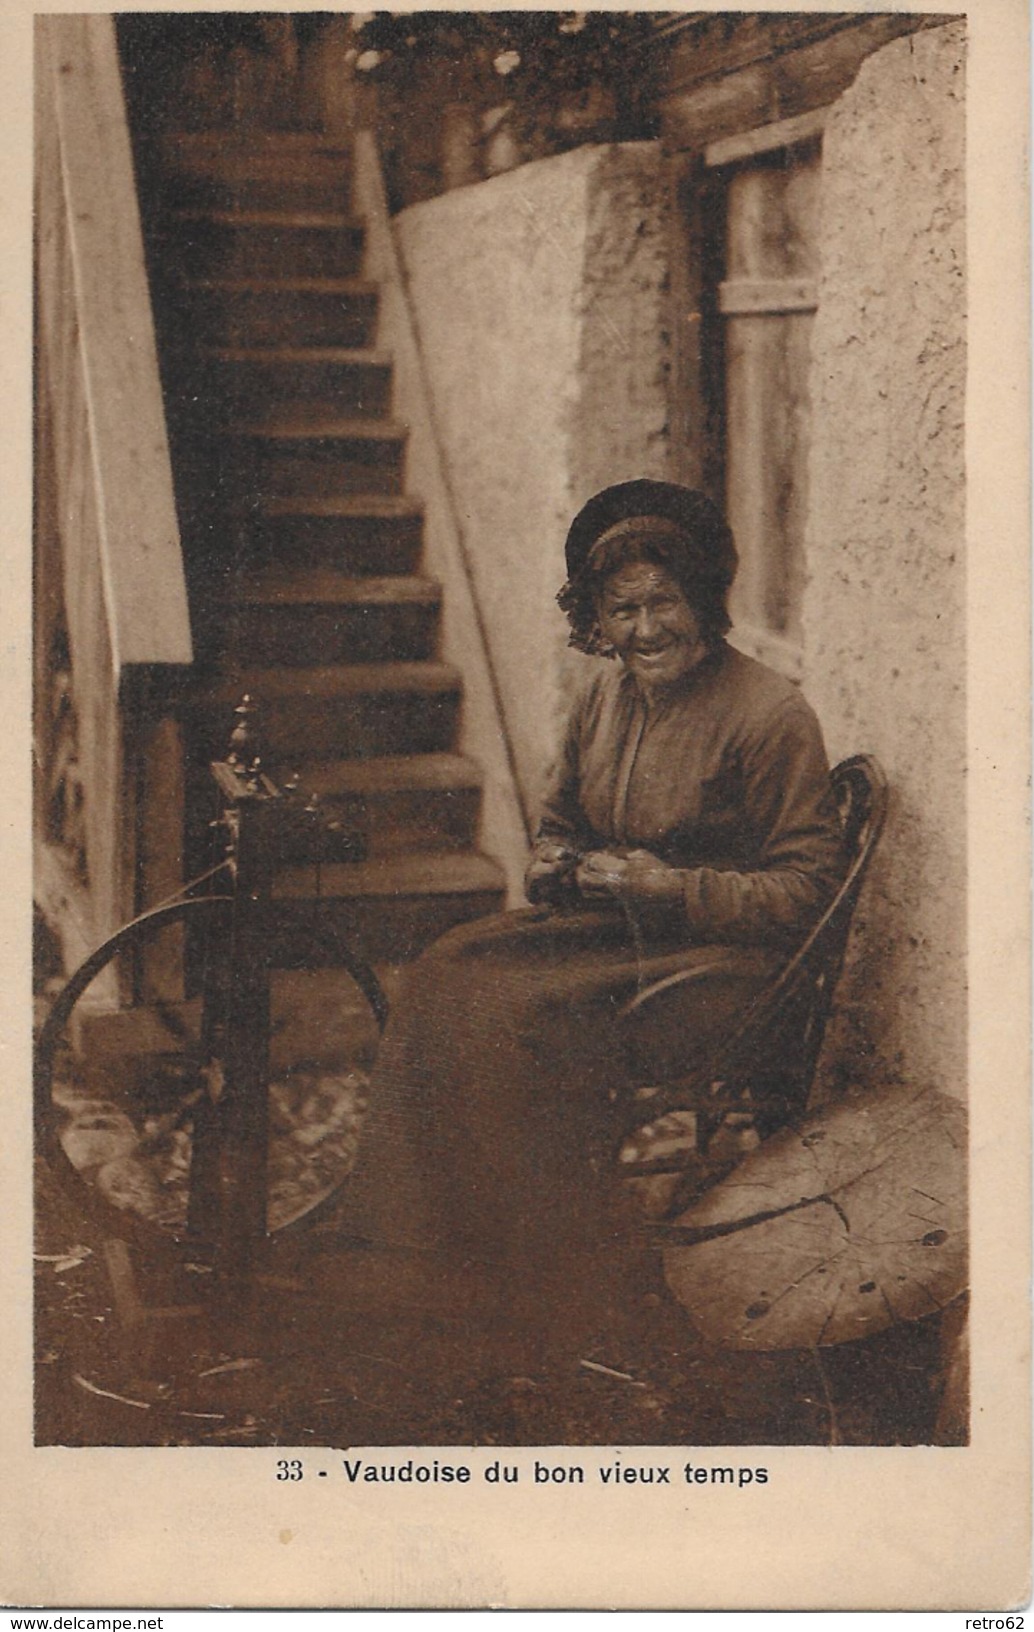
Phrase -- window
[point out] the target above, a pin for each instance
(751, 223)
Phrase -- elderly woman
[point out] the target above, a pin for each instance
(689, 809)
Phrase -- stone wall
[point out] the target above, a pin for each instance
(884, 630)
(538, 298)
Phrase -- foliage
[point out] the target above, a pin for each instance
(566, 74)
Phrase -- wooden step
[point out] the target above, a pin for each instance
(265, 243)
(324, 188)
(402, 803)
(391, 906)
(300, 382)
(317, 1016)
(283, 616)
(358, 710)
(394, 804)
(361, 533)
(189, 146)
(257, 311)
(279, 587)
(332, 456)
(304, 173)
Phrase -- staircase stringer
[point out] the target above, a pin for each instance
(113, 641)
(484, 732)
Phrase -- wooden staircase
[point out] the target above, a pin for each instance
(303, 547)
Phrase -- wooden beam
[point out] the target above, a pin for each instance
(160, 806)
(778, 85)
(705, 45)
(696, 387)
(758, 297)
(141, 561)
(749, 144)
(106, 528)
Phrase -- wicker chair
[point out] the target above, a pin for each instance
(763, 1069)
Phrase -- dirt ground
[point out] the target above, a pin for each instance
(140, 1341)
(323, 1349)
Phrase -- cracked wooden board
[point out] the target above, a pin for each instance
(832, 1231)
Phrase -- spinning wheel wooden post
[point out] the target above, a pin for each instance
(228, 1197)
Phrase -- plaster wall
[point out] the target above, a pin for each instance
(538, 300)
(884, 630)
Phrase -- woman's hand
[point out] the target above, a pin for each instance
(550, 875)
(634, 875)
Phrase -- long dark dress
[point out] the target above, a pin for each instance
(488, 1123)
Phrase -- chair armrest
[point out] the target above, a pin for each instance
(726, 961)
(676, 1031)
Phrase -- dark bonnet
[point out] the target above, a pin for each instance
(706, 539)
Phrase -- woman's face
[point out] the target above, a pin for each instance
(646, 617)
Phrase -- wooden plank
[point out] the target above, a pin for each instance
(331, 78)
(160, 802)
(761, 296)
(752, 444)
(702, 45)
(108, 536)
(766, 138)
(771, 258)
(104, 1035)
(141, 566)
(695, 440)
(777, 85)
(832, 1231)
(773, 216)
(129, 1305)
(768, 429)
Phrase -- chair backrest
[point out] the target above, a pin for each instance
(806, 985)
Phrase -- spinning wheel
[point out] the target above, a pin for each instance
(202, 1136)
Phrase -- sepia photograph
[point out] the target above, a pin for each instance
(500, 810)
(501, 739)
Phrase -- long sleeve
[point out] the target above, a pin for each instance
(562, 819)
(793, 829)
(726, 780)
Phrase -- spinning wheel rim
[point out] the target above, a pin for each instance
(126, 1222)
